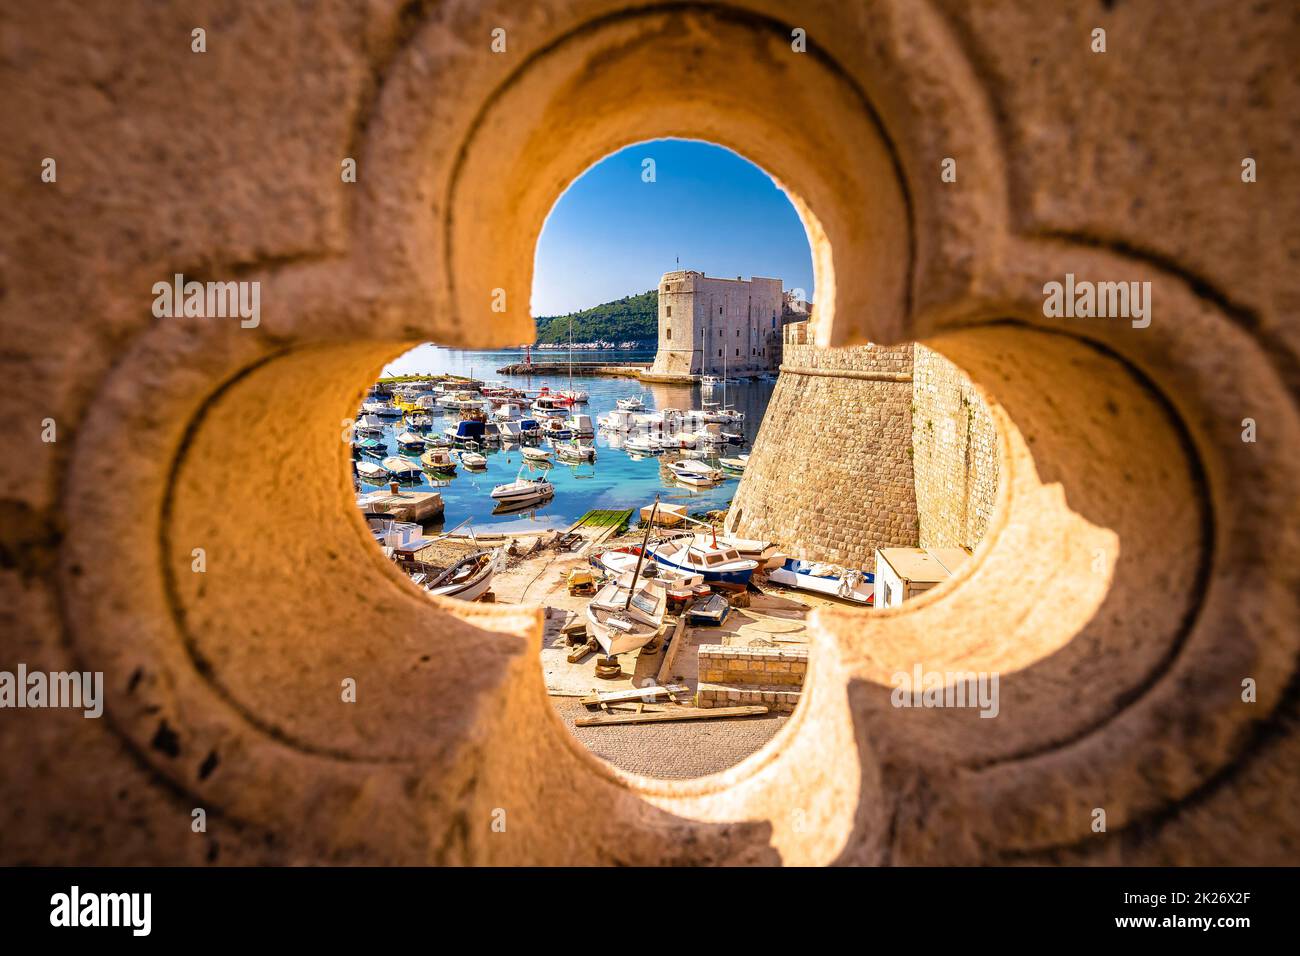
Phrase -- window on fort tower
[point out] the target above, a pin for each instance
(670, 313)
(670, 334)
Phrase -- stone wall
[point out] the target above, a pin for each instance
(830, 474)
(769, 676)
(955, 454)
(895, 446)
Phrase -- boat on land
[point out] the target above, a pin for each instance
(371, 472)
(626, 614)
(466, 580)
(716, 562)
(708, 611)
(409, 441)
(847, 583)
(694, 472)
(439, 460)
(523, 490)
(536, 454)
(575, 451)
(738, 463)
(402, 469)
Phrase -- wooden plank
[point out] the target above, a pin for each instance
(675, 713)
(675, 645)
(578, 653)
(615, 696)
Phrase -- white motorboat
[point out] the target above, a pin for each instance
(708, 381)
(575, 451)
(410, 441)
(509, 412)
(641, 443)
(523, 490)
(580, 426)
(715, 561)
(472, 459)
(847, 583)
(369, 425)
(694, 472)
(555, 428)
(711, 433)
(633, 404)
(735, 464)
(551, 406)
(403, 469)
(536, 454)
(575, 395)
(619, 420)
(369, 471)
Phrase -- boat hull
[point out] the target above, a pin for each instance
(710, 577)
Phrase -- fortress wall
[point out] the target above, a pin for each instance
(711, 325)
(954, 454)
(830, 474)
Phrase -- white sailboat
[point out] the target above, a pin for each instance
(571, 393)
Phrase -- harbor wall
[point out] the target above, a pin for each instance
(830, 474)
(865, 448)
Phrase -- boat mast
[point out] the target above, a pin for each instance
(645, 539)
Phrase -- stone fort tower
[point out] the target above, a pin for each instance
(709, 325)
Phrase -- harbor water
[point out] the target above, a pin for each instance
(617, 479)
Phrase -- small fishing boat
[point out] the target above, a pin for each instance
(438, 459)
(369, 471)
(575, 395)
(466, 580)
(529, 426)
(509, 432)
(734, 464)
(419, 423)
(677, 440)
(694, 472)
(536, 454)
(523, 490)
(409, 441)
(714, 562)
(632, 404)
(847, 583)
(708, 381)
(619, 420)
(708, 611)
(575, 451)
(372, 447)
(555, 428)
(734, 438)
(369, 425)
(626, 614)
(402, 469)
(472, 459)
(492, 433)
(387, 411)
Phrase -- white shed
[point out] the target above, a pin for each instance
(903, 573)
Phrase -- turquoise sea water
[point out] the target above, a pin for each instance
(617, 479)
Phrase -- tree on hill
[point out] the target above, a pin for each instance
(633, 318)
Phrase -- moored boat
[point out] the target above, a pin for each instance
(694, 472)
(402, 469)
(438, 459)
(523, 490)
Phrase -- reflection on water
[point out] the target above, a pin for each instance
(618, 478)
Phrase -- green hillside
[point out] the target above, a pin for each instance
(631, 318)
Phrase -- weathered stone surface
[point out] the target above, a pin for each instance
(1139, 563)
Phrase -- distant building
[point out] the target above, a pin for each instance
(708, 326)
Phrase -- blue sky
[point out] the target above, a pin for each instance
(611, 234)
